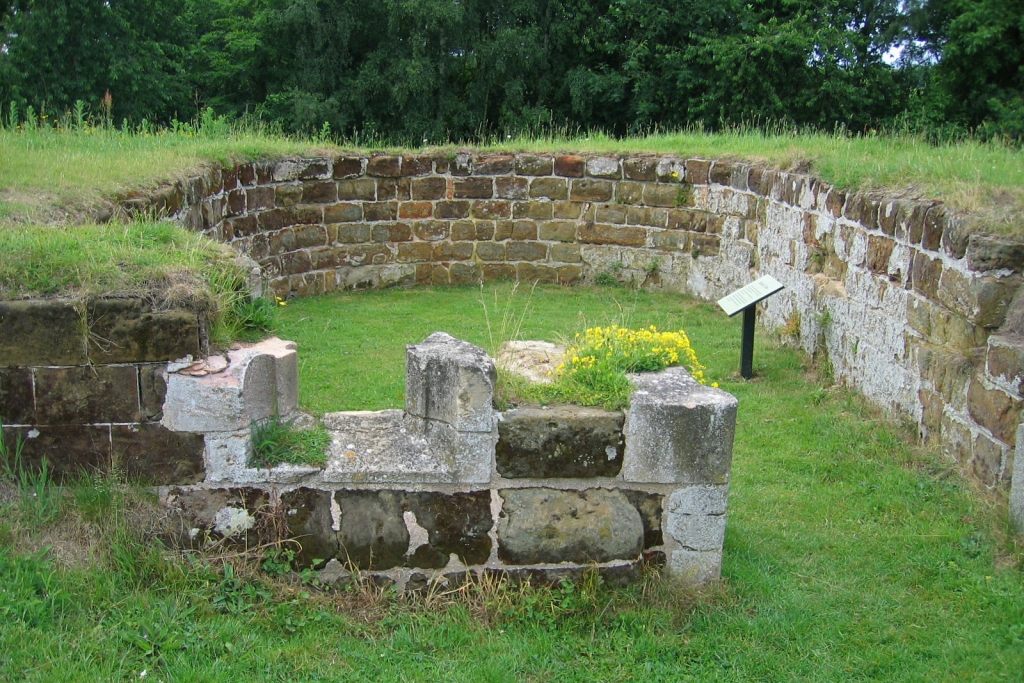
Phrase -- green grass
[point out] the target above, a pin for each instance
(276, 442)
(849, 554)
(80, 260)
(45, 174)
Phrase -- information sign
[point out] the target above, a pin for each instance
(759, 289)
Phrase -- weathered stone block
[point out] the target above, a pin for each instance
(600, 233)
(490, 251)
(566, 210)
(529, 164)
(534, 210)
(491, 209)
(152, 390)
(604, 167)
(524, 230)
(384, 166)
(1017, 484)
(984, 300)
(564, 441)
(157, 456)
(372, 533)
(549, 188)
(558, 231)
(455, 523)
(452, 381)
(548, 526)
(698, 171)
(994, 253)
(473, 188)
(696, 517)
(1005, 360)
(493, 165)
(87, 395)
(695, 567)
(995, 410)
(664, 195)
(319, 193)
(347, 167)
(925, 273)
(70, 451)
(41, 333)
(17, 398)
(363, 190)
(987, 460)
(310, 520)
(345, 212)
(587, 190)
(678, 431)
(380, 211)
(610, 213)
(203, 514)
(257, 382)
(512, 188)
(640, 169)
(526, 251)
(429, 188)
(414, 165)
(451, 209)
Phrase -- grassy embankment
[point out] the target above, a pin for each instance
(850, 554)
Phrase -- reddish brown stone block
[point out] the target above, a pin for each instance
(275, 219)
(569, 275)
(569, 165)
(236, 203)
(879, 252)
(697, 171)
(257, 198)
(925, 273)
(246, 174)
(465, 274)
(309, 236)
(472, 230)
(439, 275)
(666, 195)
(415, 210)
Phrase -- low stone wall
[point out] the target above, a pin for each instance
(449, 485)
(82, 386)
(901, 295)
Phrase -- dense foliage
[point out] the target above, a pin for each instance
(409, 70)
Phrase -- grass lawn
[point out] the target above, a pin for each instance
(849, 554)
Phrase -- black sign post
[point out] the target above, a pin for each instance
(746, 299)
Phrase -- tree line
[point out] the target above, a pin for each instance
(439, 70)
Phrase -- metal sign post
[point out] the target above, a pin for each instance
(746, 299)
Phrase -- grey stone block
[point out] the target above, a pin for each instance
(451, 381)
(564, 441)
(678, 430)
(258, 382)
(41, 333)
(549, 526)
(1017, 484)
(696, 517)
(695, 567)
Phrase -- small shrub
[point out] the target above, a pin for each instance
(276, 442)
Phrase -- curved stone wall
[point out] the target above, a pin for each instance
(900, 294)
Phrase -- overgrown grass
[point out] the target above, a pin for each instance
(275, 442)
(44, 174)
(849, 555)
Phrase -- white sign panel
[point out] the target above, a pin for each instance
(759, 289)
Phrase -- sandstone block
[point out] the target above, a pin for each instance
(664, 195)
(696, 517)
(994, 253)
(491, 209)
(70, 451)
(549, 526)
(347, 167)
(451, 381)
(558, 231)
(640, 169)
(530, 272)
(533, 210)
(984, 300)
(569, 165)
(152, 390)
(587, 190)
(493, 165)
(384, 166)
(415, 165)
(432, 231)
(604, 167)
(429, 188)
(451, 209)
(995, 410)
(465, 274)
(41, 333)
(1005, 360)
(512, 188)
(372, 533)
(473, 188)
(600, 233)
(152, 454)
(526, 251)
(986, 463)
(529, 164)
(363, 190)
(17, 398)
(87, 395)
(490, 251)
(698, 171)
(563, 441)
(549, 188)
(678, 431)
(310, 519)
(1017, 484)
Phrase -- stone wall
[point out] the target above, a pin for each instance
(82, 386)
(901, 295)
(449, 485)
